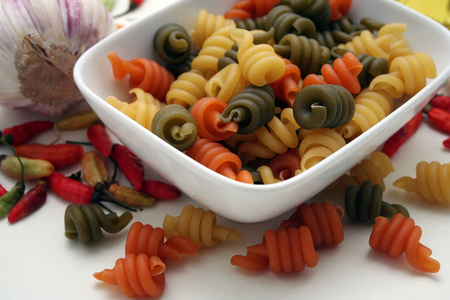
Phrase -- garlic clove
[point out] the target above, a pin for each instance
(40, 41)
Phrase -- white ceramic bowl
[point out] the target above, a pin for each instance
(234, 200)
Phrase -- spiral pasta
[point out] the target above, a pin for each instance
(318, 11)
(400, 235)
(317, 145)
(250, 9)
(206, 113)
(251, 108)
(283, 250)
(407, 75)
(206, 24)
(150, 241)
(85, 222)
(304, 52)
(187, 89)
(199, 226)
(172, 43)
(259, 63)
(366, 203)
(323, 220)
(370, 108)
(143, 73)
(175, 125)
(226, 83)
(323, 106)
(431, 182)
(344, 72)
(281, 167)
(339, 8)
(284, 20)
(142, 109)
(219, 159)
(286, 88)
(136, 275)
(372, 67)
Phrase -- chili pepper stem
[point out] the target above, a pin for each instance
(106, 196)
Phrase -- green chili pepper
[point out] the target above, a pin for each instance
(8, 200)
(32, 168)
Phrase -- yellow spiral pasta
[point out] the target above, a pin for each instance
(226, 83)
(259, 64)
(432, 182)
(187, 89)
(142, 109)
(317, 145)
(390, 37)
(199, 226)
(206, 24)
(370, 108)
(407, 75)
(267, 175)
(214, 47)
(375, 168)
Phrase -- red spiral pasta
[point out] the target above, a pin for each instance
(323, 219)
(219, 159)
(286, 88)
(148, 240)
(250, 9)
(144, 74)
(136, 275)
(402, 235)
(206, 112)
(286, 165)
(339, 8)
(344, 72)
(283, 250)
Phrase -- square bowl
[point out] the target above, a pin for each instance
(231, 199)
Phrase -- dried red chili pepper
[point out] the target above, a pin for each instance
(130, 195)
(394, 143)
(24, 132)
(59, 155)
(2, 190)
(130, 165)
(160, 190)
(99, 138)
(94, 168)
(80, 193)
(78, 120)
(441, 101)
(30, 202)
(438, 117)
(446, 143)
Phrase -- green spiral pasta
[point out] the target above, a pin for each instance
(319, 11)
(175, 125)
(372, 67)
(304, 52)
(85, 222)
(323, 106)
(251, 24)
(366, 203)
(230, 57)
(172, 43)
(284, 20)
(251, 108)
(185, 66)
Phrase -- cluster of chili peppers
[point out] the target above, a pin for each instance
(437, 113)
(43, 162)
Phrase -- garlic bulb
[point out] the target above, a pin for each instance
(40, 41)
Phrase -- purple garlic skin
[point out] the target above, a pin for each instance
(40, 42)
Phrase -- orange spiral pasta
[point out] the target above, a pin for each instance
(286, 88)
(136, 275)
(206, 112)
(286, 165)
(226, 83)
(370, 108)
(250, 9)
(323, 219)
(259, 64)
(199, 226)
(344, 72)
(402, 235)
(148, 240)
(339, 8)
(219, 159)
(432, 182)
(206, 24)
(142, 108)
(283, 250)
(145, 74)
(317, 145)
(187, 89)
(407, 75)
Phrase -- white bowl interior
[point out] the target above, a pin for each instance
(231, 199)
